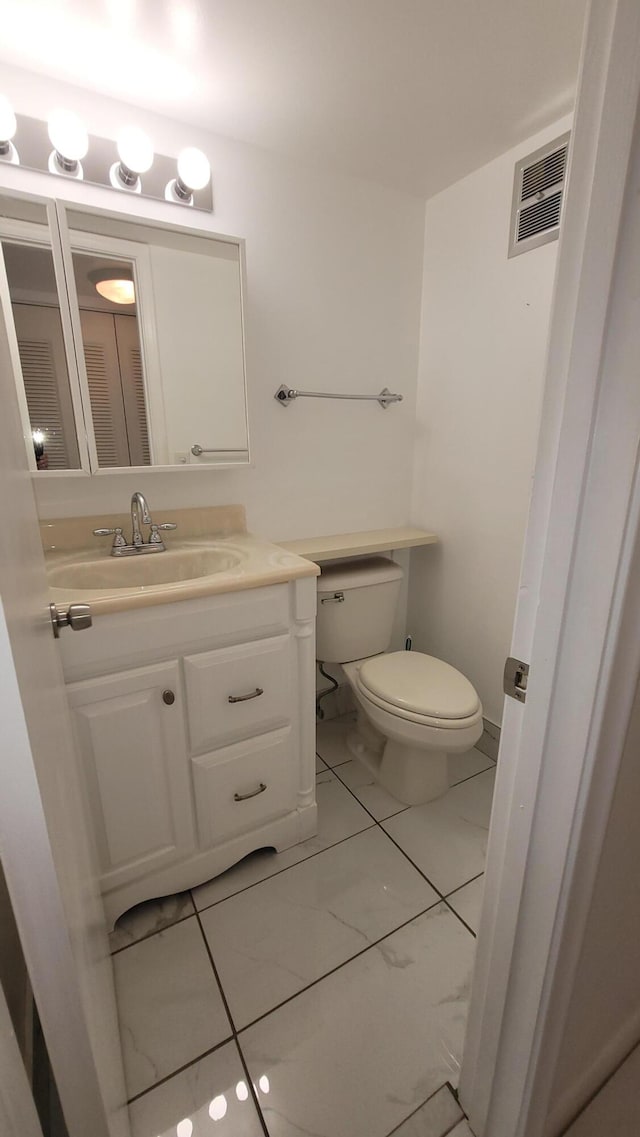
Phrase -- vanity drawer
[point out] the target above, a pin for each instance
(238, 691)
(243, 786)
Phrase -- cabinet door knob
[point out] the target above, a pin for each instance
(168, 697)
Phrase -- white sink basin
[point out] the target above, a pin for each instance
(142, 570)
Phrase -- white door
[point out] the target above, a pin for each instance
(45, 848)
(576, 567)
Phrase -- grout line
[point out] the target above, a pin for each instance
(459, 886)
(378, 820)
(227, 1008)
(252, 1088)
(286, 868)
(339, 966)
(464, 922)
(217, 977)
(180, 1070)
(444, 1086)
(440, 894)
(471, 776)
(345, 762)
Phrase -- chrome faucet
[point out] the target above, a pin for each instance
(139, 512)
(140, 515)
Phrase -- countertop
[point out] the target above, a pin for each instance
(258, 563)
(359, 544)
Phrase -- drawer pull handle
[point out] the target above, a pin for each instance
(253, 793)
(243, 698)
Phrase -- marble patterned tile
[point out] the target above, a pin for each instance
(467, 902)
(339, 816)
(447, 838)
(356, 1054)
(435, 1118)
(489, 742)
(463, 766)
(149, 917)
(169, 1004)
(320, 765)
(461, 1130)
(331, 742)
(372, 796)
(211, 1094)
(273, 940)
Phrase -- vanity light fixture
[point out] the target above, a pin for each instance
(135, 151)
(8, 126)
(137, 168)
(70, 141)
(194, 173)
(115, 284)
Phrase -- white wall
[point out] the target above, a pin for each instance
(334, 268)
(482, 355)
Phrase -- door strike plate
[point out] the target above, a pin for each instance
(514, 683)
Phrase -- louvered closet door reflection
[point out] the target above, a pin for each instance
(135, 406)
(105, 388)
(46, 382)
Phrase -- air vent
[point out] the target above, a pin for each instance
(538, 192)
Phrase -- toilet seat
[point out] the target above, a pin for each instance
(419, 688)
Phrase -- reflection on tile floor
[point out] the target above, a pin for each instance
(345, 976)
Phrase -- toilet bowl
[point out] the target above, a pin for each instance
(413, 709)
(407, 748)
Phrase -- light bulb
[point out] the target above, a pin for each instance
(70, 143)
(194, 170)
(135, 149)
(68, 135)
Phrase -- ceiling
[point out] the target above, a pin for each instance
(410, 93)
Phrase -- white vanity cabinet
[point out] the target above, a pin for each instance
(195, 724)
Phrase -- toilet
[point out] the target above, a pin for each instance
(413, 709)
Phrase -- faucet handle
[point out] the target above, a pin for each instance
(154, 536)
(118, 538)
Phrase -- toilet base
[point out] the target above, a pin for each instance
(410, 774)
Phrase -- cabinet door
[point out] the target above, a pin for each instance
(133, 750)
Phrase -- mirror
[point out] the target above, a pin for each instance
(161, 325)
(32, 304)
(142, 344)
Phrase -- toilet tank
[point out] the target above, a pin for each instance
(356, 608)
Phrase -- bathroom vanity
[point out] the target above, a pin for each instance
(192, 700)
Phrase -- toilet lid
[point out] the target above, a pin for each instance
(419, 683)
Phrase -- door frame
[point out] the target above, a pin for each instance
(552, 795)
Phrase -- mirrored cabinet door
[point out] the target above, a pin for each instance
(43, 354)
(127, 339)
(159, 312)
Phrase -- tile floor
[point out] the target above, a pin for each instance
(321, 991)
